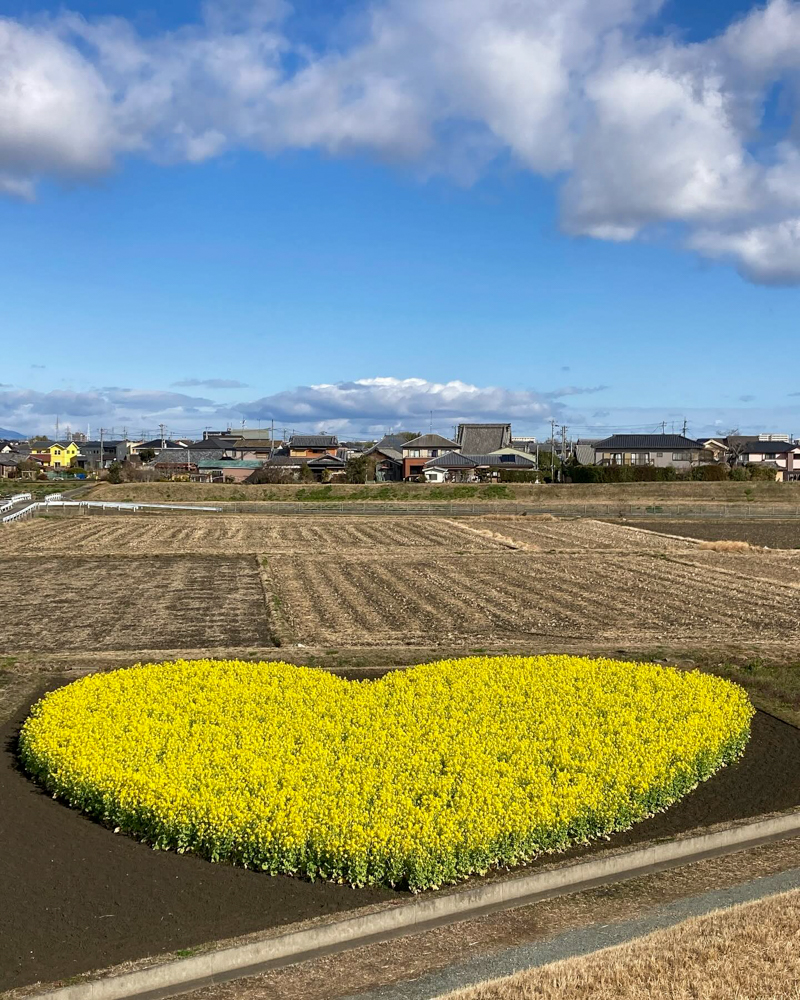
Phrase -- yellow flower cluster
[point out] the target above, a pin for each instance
(421, 778)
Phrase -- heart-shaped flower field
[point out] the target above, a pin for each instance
(420, 778)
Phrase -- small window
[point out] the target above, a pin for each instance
(681, 456)
(434, 452)
(507, 458)
(659, 454)
(414, 453)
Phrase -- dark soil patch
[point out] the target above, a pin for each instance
(775, 534)
(80, 898)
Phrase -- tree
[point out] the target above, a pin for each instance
(115, 473)
(147, 455)
(360, 469)
(306, 475)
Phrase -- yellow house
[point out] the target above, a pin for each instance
(62, 455)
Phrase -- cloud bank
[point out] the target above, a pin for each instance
(645, 134)
(369, 407)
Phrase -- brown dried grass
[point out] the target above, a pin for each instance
(749, 952)
(729, 545)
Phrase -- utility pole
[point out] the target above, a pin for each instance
(684, 427)
(56, 427)
(102, 431)
(663, 427)
(563, 449)
(271, 436)
(552, 449)
(163, 442)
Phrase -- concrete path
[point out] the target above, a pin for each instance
(581, 941)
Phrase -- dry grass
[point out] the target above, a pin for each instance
(728, 545)
(622, 493)
(747, 953)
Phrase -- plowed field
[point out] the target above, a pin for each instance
(505, 598)
(135, 604)
(569, 535)
(235, 534)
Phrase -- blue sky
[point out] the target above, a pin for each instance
(482, 260)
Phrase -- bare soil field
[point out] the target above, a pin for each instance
(769, 567)
(417, 600)
(624, 493)
(578, 533)
(131, 604)
(94, 899)
(231, 534)
(774, 534)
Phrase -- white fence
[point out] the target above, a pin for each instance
(51, 502)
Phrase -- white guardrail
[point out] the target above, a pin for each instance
(17, 498)
(50, 502)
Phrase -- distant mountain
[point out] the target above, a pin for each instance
(11, 435)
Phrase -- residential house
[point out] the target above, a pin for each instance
(526, 444)
(454, 467)
(483, 439)
(114, 450)
(782, 456)
(313, 445)
(660, 450)
(8, 464)
(322, 466)
(388, 455)
(58, 455)
(184, 461)
(419, 449)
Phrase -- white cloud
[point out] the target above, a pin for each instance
(31, 411)
(648, 133)
(383, 402)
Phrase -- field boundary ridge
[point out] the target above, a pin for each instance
(422, 913)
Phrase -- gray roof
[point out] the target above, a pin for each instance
(186, 456)
(291, 461)
(429, 441)
(452, 460)
(229, 463)
(314, 441)
(483, 439)
(326, 461)
(651, 442)
(389, 446)
(154, 444)
(768, 447)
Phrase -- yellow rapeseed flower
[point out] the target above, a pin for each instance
(421, 778)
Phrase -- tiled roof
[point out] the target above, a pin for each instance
(652, 442)
(429, 441)
(185, 456)
(483, 439)
(768, 447)
(314, 441)
(229, 463)
(452, 460)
